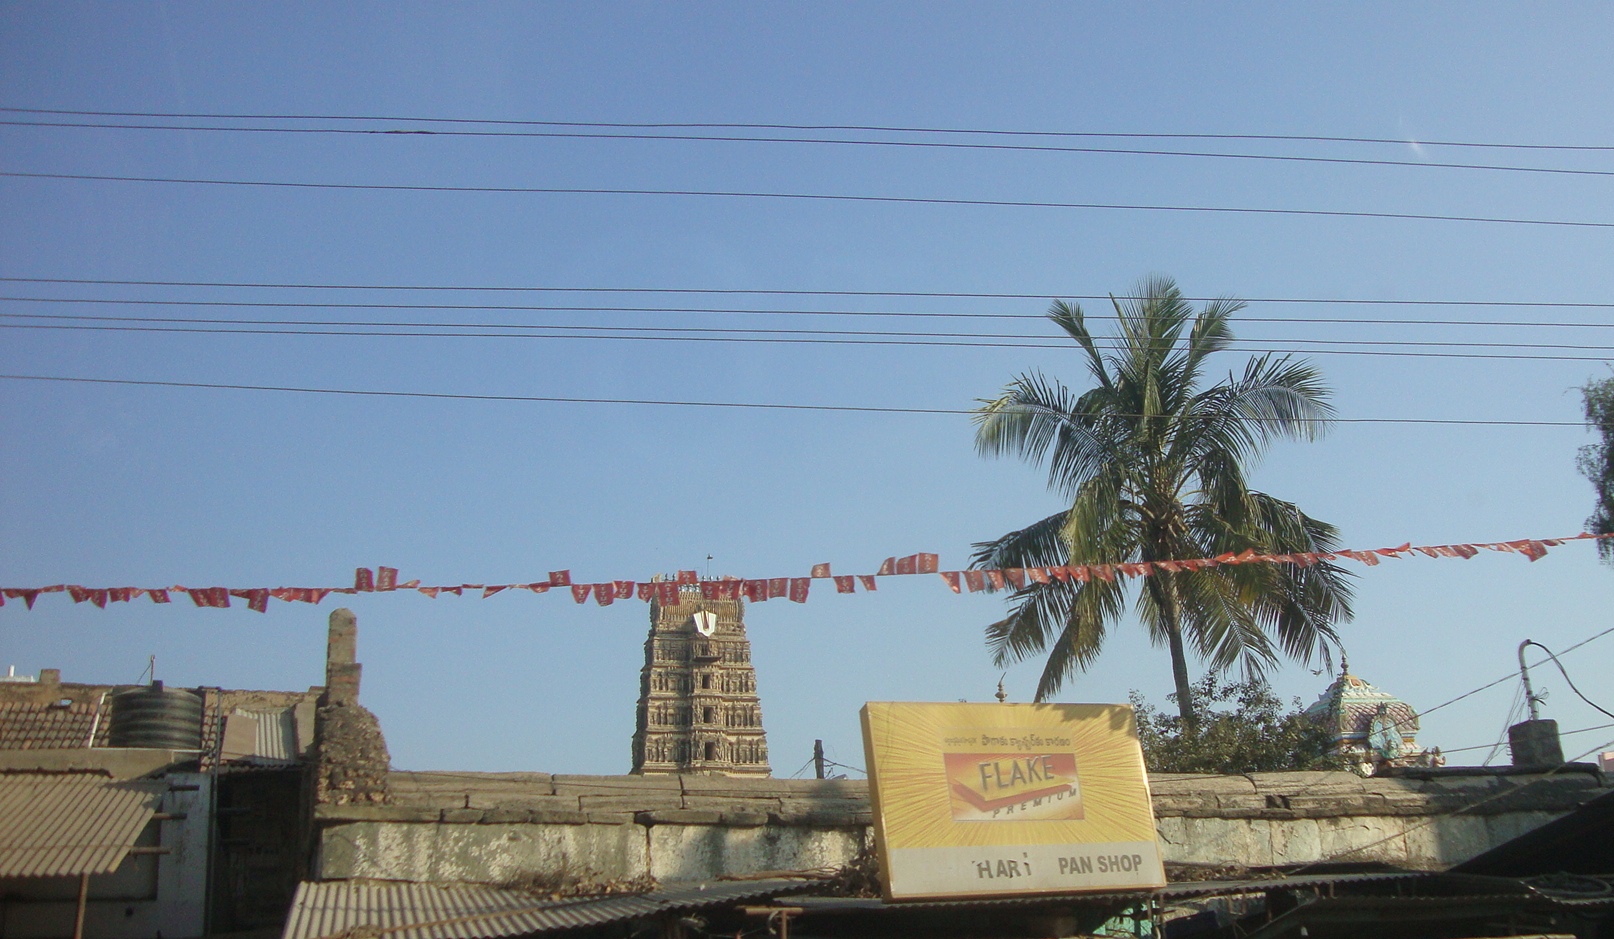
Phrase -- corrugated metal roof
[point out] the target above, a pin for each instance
(54, 825)
(432, 911)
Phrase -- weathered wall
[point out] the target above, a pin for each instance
(491, 828)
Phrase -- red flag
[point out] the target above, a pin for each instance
(25, 595)
(1465, 550)
(975, 580)
(1534, 550)
(996, 578)
(798, 588)
(1104, 571)
(688, 577)
(729, 589)
(121, 594)
(908, 564)
(490, 591)
(157, 595)
(257, 598)
(709, 590)
(952, 579)
(409, 585)
(364, 580)
(1038, 574)
(1136, 570)
(667, 593)
(428, 591)
(1081, 573)
(1017, 576)
(756, 590)
(624, 589)
(456, 591)
(646, 591)
(604, 594)
(845, 583)
(821, 570)
(580, 592)
(542, 587)
(778, 587)
(79, 594)
(1061, 573)
(386, 578)
(888, 566)
(98, 596)
(867, 580)
(560, 578)
(1170, 567)
(928, 564)
(210, 596)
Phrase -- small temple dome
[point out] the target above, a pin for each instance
(1368, 726)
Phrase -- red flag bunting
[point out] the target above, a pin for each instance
(975, 580)
(428, 591)
(709, 590)
(667, 593)
(1038, 575)
(778, 587)
(798, 588)
(867, 580)
(952, 579)
(490, 591)
(756, 590)
(928, 564)
(580, 592)
(908, 564)
(647, 591)
(888, 566)
(604, 594)
(1061, 573)
(845, 583)
(820, 570)
(996, 578)
(624, 589)
(688, 577)
(386, 578)
(257, 598)
(1016, 576)
(364, 580)
(560, 578)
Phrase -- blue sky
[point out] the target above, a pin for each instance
(111, 485)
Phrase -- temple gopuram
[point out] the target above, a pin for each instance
(698, 706)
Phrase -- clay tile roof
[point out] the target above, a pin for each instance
(43, 725)
(58, 825)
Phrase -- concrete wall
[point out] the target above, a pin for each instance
(490, 828)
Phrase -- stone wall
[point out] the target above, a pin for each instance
(496, 827)
(351, 762)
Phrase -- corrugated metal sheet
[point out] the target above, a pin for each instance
(54, 825)
(276, 737)
(431, 911)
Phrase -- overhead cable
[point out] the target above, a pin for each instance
(819, 141)
(804, 196)
(697, 404)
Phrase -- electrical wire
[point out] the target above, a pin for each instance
(803, 337)
(752, 311)
(818, 141)
(1514, 710)
(737, 125)
(467, 288)
(1487, 746)
(805, 196)
(553, 399)
(1565, 673)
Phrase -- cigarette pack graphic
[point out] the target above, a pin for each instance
(1008, 787)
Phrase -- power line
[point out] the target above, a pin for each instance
(805, 196)
(616, 308)
(806, 293)
(529, 330)
(804, 337)
(882, 128)
(706, 404)
(818, 141)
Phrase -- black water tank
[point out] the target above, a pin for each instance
(157, 718)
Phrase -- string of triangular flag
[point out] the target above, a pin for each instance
(669, 589)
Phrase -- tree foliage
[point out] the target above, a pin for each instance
(1255, 735)
(1154, 463)
(1597, 460)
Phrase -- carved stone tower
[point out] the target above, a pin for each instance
(698, 706)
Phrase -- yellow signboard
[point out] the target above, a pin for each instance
(1009, 799)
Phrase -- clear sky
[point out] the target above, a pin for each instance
(109, 485)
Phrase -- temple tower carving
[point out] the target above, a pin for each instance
(698, 706)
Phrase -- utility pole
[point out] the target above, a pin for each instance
(818, 758)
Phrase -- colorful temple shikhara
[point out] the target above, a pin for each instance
(698, 706)
(1369, 728)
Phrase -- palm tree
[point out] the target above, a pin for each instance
(1154, 467)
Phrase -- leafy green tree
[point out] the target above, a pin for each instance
(1254, 736)
(1154, 464)
(1597, 461)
